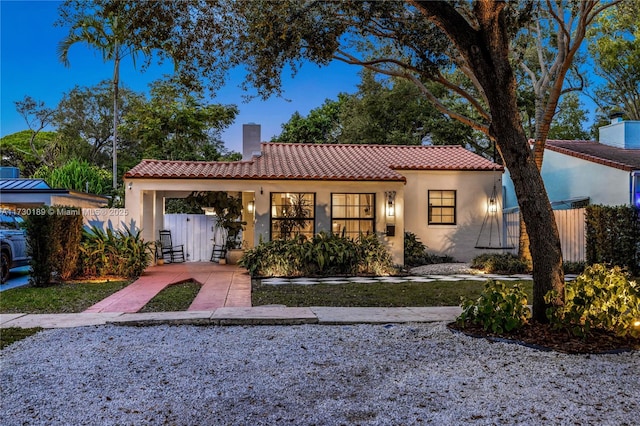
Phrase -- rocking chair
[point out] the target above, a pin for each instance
(171, 253)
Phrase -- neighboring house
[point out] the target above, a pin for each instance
(440, 193)
(577, 173)
(22, 195)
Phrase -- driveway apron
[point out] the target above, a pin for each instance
(222, 285)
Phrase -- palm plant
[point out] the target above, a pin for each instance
(112, 37)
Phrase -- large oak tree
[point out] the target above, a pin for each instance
(464, 47)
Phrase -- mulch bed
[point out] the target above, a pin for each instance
(543, 337)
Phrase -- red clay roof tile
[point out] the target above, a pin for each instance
(619, 158)
(322, 162)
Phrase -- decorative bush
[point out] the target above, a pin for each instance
(416, 254)
(114, 253)
(66, 242)
(54, 236)
(600, 298)
(574, 267)
(40, 247)
(322, 255)
(500, 264)
(499, 308)
(613, 236)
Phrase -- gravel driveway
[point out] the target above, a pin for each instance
(306, 375)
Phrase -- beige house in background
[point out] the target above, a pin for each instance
(440, 193)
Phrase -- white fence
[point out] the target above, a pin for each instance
(571, 227)
(196, 232)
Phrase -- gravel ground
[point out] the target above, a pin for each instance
(443, 269)
(306, 375)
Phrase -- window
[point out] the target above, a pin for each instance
(292, 214)
(442, 207)
(352, 214)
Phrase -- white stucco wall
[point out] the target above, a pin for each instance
(144, 204)
(472, 192)
(569, 177)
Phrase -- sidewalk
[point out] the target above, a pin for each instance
(258, 315)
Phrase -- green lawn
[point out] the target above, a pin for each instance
(60, 298)
(176, 297)
(13, 334)
(436, 293)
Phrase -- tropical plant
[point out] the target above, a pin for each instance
(114, 253)
(227, 209)
(500, 263)
(498, 309)
(77, 175)
(600, 298)
(112, 35)
(323, 254)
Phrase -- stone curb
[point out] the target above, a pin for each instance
(258, 315)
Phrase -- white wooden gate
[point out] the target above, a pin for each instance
(571, 227)
(196, 232)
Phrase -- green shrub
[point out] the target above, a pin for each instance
(39, 227)
(505, 263)
(574, 267)
(373, 257)
(322, 255)
(613, 236)
(499, 308)
(114, 253)
(67, 236)
(416, 254)
(54, 237)
(600, 298)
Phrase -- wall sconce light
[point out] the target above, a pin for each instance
(391, 203)
(493, 205)
(251, 206)
(130, 185)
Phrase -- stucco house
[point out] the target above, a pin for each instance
(440, 193)
(606, 172)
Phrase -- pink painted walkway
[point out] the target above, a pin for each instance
(222, 286)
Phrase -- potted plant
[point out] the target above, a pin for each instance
(228, 210)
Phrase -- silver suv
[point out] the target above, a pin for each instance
(13, 243)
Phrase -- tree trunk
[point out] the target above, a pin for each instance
(116, 81)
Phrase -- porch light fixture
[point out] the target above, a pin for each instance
(493, 206)
(130, 185)
(391, 203)
(251, 205)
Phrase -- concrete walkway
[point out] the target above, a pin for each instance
(222, 285)
(258, 315)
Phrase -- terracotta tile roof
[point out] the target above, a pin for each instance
(322, 162)
(623, 159)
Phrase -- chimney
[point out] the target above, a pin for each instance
(250, 141)
(616, 117)
(620, 133)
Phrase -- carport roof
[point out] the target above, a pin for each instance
(322, 162)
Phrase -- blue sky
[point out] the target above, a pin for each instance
(29, 65)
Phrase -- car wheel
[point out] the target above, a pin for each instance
(5, 261)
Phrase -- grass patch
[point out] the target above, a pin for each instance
(436, 293)
(176, 297)
(60, 298)
(13, 334)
